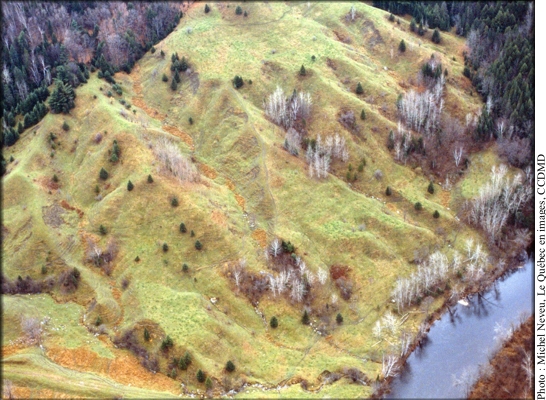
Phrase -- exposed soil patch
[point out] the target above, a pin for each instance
(218, 218)
(173, 130)
(209, 172)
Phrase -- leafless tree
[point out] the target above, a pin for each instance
(32, 328)
(390, 366)
(174, 162)
(457, 155)
(275, 247)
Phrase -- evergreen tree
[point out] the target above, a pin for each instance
(363, 115)
(421, 30)
(418, 206)
(274, 322)
(174, 85)
(185, 268)
(436, 36)
(238, 10)
(55, 178)
(359, 89)
(198, 245)
(20, 128)
(391, 17)
(192, 233)
(165, 247)
(413, 25)
(146, 335)
(208, 383)
(388, 192)
(190, 120)
(187, 358)
(339, 318)
(150, 179)
(164, 78)
(176, 77)
(66, 127)
(237, 82)
(174, 202)
(230, 367)
(303, 72)
(245, 14)
(305, 318)
(183, 227)
(182, 364)
(200, 376)
(436, 214)
(402, 46)
(430, 188)
(130, 186)
(102, 230)
(207, 9)
(390, 140)
(62, 98)
(183, 66)
(103, 174)
(167, 343)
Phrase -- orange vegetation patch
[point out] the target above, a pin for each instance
(209, 172)
(20, 393)
(260, 236)
(11, 349)
(230, 185)
(67, 206)
(173, 130)
(240, 200)
(445, 198)
(218, 218)
(80, 359)
(152, 113)
(47, 183)
(116, 293)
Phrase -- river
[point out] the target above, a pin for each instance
(457, 344)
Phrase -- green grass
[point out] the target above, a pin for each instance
(232, 135)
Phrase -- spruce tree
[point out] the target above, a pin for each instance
(436, 214)
(103, 174)
(208, 383)
(430, 188)
(388, 192)
(305, 318)
(190, 120)
(176, 77)
(413, 25)
(303, 72)
(185, 268)
(183, 228)
(150, 179)
(339, 318)
(418, 206)
(183, 66)
(164, 78)
(230, 367)
(20, 128)
(146, 335)
(102, 230)
(174, 202)
(182, 364)
(62, 98)
(198, 245)
(238, 82)
(363, 115)
(391, 17)
(55, 178)
(187, 358)
(402, 46)
(66, 127)
(200, 376)
(274, 322)
(421, 30)
(207, 9)
(436, 36)
(238, 10)
(165, 247)
(359, 89)
(174, 85)
(130, 186)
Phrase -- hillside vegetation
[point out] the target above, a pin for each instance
(228, 177)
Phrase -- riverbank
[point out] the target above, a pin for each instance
(505, 376)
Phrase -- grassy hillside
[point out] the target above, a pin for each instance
(250, 191)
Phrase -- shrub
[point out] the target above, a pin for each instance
(102, 230)
(207, 9)
(174, 202)
(183, 228)
(230, 367)
(103, 174)
(418, 206)
(388, 192)
(238, 10)
(66, 127)
(198, 245)
(430, 188)
(55, 178)
(436, 214)
(185, 268)
(339, 318)
(303, 72)
(200, 376)
(164, 78)
(237, 82)
(274, 322)
(165, 247)
(305, 318)
(359, 89)
(402, 46)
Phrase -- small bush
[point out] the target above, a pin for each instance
(230, 367)
(313, 58)
(391, 17)
(174, 202)
(305, 318)
(103, 174)
(164, 78)
(102, 230)
(66, 127)
(436, 214)
(339, 318)
(185, 268)
(44, 270)
(152, 50)
(165, 247)
(274, 322)
(98, 321)
(192, 233)
(55, 178)
(198, 245)
(388, 192)
(137, 259)
(200, 376)
(190, 120)
(150, 179)
(418, 206)
(245, 14)
(130, 186)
